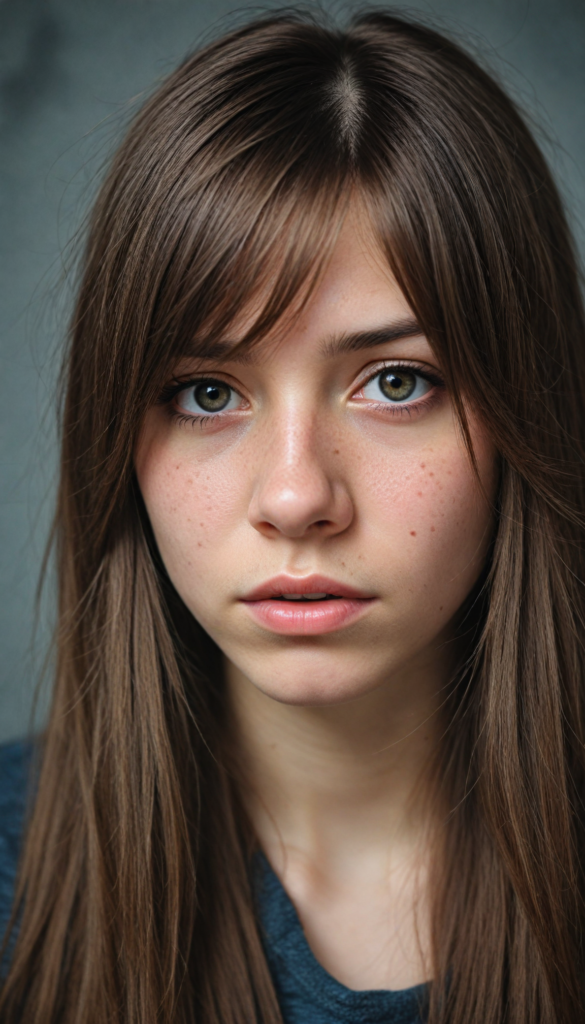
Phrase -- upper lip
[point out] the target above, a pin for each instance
(281, 585)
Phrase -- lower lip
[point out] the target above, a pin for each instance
(307, 618)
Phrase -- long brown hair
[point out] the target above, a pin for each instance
(134, 903)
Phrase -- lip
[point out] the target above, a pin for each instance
(306, 618)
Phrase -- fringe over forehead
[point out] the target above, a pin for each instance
(234, 180)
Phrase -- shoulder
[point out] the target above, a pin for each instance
(15, 771)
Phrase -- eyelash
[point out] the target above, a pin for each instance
(170, 391)
(407, 409)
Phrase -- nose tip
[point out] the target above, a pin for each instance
(300, 501)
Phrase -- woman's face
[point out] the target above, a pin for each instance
(313, 501)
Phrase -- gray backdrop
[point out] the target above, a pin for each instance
(70, 73)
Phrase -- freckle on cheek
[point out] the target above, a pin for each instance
(432, 529)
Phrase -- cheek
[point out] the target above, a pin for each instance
(190, 507)
(424, 495)
(432, 518)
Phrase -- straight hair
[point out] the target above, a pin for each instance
(134, 903)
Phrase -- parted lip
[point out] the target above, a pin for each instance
(280, 586)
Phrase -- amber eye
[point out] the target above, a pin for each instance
(212, 395)
(397, 384)
(208, 396)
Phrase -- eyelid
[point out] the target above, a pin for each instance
(176, 385)
(423, 369)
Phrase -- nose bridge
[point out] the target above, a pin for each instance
(293, 441)
(297, 488)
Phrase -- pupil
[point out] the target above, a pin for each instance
(212, 396)
(397, 385)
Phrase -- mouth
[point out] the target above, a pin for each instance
(306, 605)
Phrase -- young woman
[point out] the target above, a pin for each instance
(316, 745)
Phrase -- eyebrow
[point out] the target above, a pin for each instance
(357, 340)
(335, 345)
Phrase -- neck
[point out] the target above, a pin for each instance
(329, 785)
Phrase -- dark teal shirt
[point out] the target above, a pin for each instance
(306, 992)
(15, 761)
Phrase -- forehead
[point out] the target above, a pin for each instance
(356, 304)
(357, 290)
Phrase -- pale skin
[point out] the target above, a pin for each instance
(311, 469)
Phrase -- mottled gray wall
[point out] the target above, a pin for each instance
(70, 70)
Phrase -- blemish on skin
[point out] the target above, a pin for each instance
(431, 474)
(422, 465)
(199, 544)
(336, 451)
(419, 494)
(413, 533)
(432, 529)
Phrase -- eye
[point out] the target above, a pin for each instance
(207, 397)
(397, 384)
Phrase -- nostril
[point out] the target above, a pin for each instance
(268, 527)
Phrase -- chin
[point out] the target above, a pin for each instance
(303, 694)
(313, 685)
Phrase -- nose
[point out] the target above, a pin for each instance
(300, 490)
